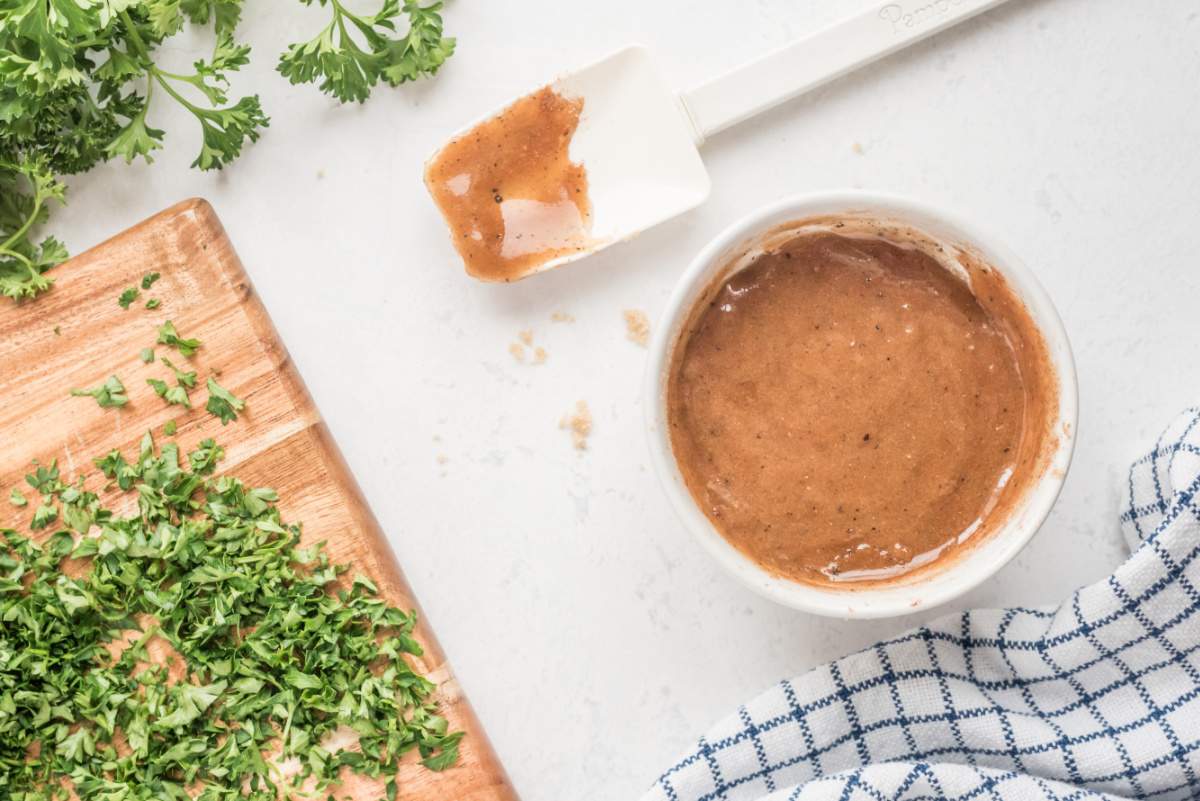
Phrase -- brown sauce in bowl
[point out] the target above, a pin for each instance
(846, 409)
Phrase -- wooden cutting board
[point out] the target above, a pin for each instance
(77, 336)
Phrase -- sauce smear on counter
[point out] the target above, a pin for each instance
(846, 409)
(511, 195)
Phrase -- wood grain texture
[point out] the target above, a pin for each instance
(280, 440)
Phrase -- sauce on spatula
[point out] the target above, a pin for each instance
(511, 195)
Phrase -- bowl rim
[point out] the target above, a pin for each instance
(928, 589)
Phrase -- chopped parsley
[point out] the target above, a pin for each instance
(127, 297)
(44, 515)
(183, 378)
(167, 335)
(109, 394)
(222, 403)
(173, 395)
(278, 648)
(45, 479)
(16, 498)
(153, 303)
(147, 355)
(178, 394)
(149, 278)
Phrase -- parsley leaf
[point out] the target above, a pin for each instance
(45, 514)
(183, 378)
(147, 355)
(149, 278)
(45, 479)
(222, 403)
(167, 335)
(190, 702)
(109, 394)
(203, 460)
(16, 498)
(153, 303)
(446, 757)
(80, 508)
(127, 297)
(169, 428)
(115, 467)
(175, 396)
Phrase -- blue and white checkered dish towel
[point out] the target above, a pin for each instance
(1099, 697)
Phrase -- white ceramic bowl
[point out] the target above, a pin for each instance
(924, 588)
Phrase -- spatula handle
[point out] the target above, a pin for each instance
(820, 58)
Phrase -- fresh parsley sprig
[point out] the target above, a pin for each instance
(225, 128)
(81, 83)
(354, 52)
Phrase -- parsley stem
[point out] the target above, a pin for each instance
(147, 635)
(340, 13)
(4, 251)
(136, 37)
(146, 102)
(287, 727)
(152, 70)
(161, 77)
(38, 199)
(338, 9)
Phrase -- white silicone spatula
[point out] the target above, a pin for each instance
(639, 140)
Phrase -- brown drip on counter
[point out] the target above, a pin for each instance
(845, 409)
(511, 195)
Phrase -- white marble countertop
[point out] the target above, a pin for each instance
(594, 637)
